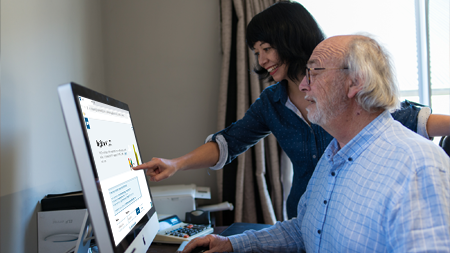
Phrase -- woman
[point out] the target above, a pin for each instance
(282, 38)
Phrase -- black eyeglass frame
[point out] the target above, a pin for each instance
(308, 72)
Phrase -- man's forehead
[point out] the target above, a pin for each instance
(330, 51)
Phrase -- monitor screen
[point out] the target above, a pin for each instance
(105, 149)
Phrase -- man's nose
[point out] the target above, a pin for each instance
(304, 86)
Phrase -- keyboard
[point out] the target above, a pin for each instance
(182, 232)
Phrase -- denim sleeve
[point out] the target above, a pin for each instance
(408, 115)
(246, 132)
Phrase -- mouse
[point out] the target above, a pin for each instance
(200, 249)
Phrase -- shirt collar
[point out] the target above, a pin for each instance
(353, 149)
(281, 92)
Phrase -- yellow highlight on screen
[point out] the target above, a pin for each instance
(137, 159)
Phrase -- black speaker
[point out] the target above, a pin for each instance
(198, 217)
(445, 144)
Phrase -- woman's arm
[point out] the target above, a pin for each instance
(204, 156)
(234, 140)
(438, 125)
(419, 118)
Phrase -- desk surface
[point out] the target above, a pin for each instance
(172, 248)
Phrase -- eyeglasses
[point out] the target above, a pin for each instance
(308, 73)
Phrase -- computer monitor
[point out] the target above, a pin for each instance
(105, 149)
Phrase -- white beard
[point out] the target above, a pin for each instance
(326, 111)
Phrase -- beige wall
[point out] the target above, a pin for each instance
(43, 44)
(161, 57)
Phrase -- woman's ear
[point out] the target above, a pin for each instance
(354, 87)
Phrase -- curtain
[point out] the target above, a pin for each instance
(251, 182)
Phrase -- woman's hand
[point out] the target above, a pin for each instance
(158, 168)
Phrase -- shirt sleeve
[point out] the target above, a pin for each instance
(413, 116)
(423, 116)
(246, 132)
(281, 237)
(419, 218)
(284, 236)
(223, 150)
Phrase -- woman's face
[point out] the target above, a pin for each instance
(268, 58)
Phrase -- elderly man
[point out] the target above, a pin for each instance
(378, 187)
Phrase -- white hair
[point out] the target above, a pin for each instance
(371, 63)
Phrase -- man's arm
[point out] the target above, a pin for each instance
(282, 237)
(419, 219)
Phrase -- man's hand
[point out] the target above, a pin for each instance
(216, 243)
(158, 168)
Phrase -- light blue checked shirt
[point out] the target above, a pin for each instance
(387, 190)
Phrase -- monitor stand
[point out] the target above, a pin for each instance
(85, 235)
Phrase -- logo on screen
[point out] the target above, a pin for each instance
(103, 143)
(88, 126)
(130, 162)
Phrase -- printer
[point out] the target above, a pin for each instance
(178, 199)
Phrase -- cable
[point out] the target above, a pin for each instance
(84, 241)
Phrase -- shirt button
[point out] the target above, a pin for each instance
(318, 231)
(350, 159)
(325, 202)
(333, 174)
(314, 156)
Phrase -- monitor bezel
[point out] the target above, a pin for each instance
(86, 168)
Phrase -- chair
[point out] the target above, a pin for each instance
(445, 144)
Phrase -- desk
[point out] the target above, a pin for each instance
(172, 248)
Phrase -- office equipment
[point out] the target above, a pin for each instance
(105, 149)
(59, 230)
(198, 217)
(178, 199)
(196, 250)
(173, 230)
(224, 206)
(64, 201)
(444, 143)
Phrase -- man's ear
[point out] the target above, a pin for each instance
(354, 87)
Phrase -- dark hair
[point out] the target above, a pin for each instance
(291, 30)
